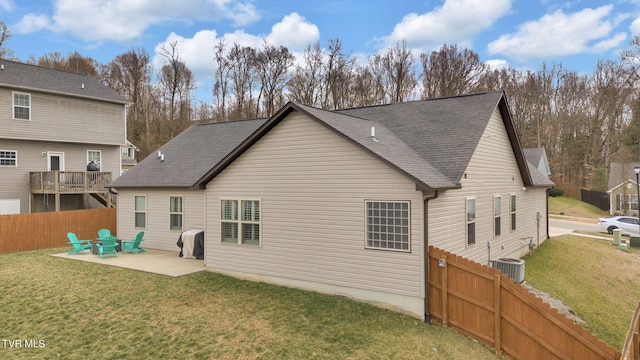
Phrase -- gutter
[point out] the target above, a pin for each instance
(425, 251)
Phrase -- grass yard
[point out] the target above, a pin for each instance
(562, 205)
(80, 310)
(600, 283)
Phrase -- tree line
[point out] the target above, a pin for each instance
(584, 121)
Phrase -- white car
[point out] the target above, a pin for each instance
(628, 225)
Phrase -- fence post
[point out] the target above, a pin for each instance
(497, 308)
(445, 291)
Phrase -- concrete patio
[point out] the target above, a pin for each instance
(154, 261)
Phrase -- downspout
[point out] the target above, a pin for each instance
(425, 231)
(547, 199)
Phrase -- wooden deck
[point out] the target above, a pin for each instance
(72, 182)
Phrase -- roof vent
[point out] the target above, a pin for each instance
(373, 133)
(82, 85)
(2, 67)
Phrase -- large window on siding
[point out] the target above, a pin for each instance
(21, 106)
(8, 158)
(175, 212)
(140, 211)
(497, 216)
(240, 221)
(388, 225)
(471, 221)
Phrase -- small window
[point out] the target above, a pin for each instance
(513, 211)
(21, 106)
(125, 152)
(95, 156)
(8, 158)
(496, 216)
(140, 211)
(387, 225)
(471, 221)
(240, 221)
(175, 212)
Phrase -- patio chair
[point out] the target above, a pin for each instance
(79, 246)
(133, 246)
(103, 233)
(107, 246)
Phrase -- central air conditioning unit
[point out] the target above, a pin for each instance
(514, 268)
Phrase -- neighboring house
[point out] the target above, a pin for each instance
(129, 156)
(623, 193)
(538, 158)
(347, 202)
(54, 123)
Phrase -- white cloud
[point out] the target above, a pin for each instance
(7, 5)
(198, 52)
(497, 64)
(635, 26)
(31, 23)
(455, 22)
(125, 20)
(560, 34)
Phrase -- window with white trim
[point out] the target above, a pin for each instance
(387, 225)
(95, 156)
(8, 158)
(496, 216)
(21, 106)
(140, 211)
(175, 212)
(471, 221)
(240, 221)
(512, 210)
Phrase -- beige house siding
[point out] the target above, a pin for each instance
(312, 185)
(14, 181)
(623, 199)
(64, 119)
(158, 234)
(492, 171)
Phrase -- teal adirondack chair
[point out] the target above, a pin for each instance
(103, 233)
(107, 246)
(133, 246)
(79, 246)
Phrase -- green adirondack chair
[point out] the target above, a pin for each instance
(103, 233)
(107, 246)
(133, 246)
(79, 246)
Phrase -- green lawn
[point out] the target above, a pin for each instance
(81, 310)
(562, 205)
(599, 282)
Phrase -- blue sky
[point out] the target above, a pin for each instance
(518, 33)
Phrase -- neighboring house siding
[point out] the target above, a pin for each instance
(492, 171)
(64, 119)
(14, 181)
(158, 234)
(623, 199)
(312, 185)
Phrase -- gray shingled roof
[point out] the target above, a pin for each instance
(445, 131)
(28, 77)
(189, 156)
(429, 141)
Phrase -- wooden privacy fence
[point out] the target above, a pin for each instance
(631, 349)
(487, 305)
(23, 232)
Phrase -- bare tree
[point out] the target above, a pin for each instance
(395, 72)
(5, 34)
(220, 88)
(450, 72)
(175, 82)
(129, 74)
(272, 66)
(338, 77)
(307, 84)
(242, 74)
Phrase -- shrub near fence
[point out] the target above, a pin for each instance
(23, 232)
(490, 307)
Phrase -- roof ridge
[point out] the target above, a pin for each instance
(46, 68)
